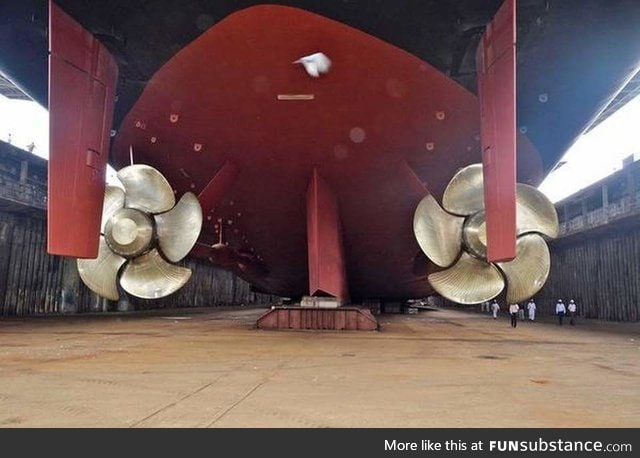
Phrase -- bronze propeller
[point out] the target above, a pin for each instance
(146, 231)
(454, 238)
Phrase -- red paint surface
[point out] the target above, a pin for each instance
(221, 92)
(215, 190)
(497, 91)
(82, 78)
(339, 319)
(327, 272)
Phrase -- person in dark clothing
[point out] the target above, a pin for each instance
(513, 311)
(572, 312)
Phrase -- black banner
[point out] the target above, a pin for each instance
(282, 443)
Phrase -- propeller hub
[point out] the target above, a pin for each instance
(124, 231)
(474, 235)
(129, 232)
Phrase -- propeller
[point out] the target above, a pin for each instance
(144, 230)
(455, 239)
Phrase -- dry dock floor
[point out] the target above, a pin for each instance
(209, 368)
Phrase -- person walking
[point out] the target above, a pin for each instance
(572, 312)
(494, 309)
(513, 311)
(531, 308)
(561, 311)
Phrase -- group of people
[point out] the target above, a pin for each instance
(516, 312)
(562, 310)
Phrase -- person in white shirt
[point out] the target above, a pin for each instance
(561, 310)
(513, 311)
(494, 309)
(572, 312)
(531, 308)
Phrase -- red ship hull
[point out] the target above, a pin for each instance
(382, 128)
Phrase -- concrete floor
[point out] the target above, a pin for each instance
(442, 368)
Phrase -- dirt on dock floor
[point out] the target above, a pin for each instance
(210, 368)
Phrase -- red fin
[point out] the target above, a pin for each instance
(496, 67)
(82, 81)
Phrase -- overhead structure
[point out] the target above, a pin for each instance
(10, 90)
(144, 230)
(455, 239)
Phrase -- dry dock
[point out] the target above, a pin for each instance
(209, 368)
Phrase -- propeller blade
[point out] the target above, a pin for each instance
(179, 228)
(528, 272)
(100, 274)
(438, 233)
(151, 277)
(146, 189)
(113, 201)
(465, 192)
(468, 281)
(535, 212)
